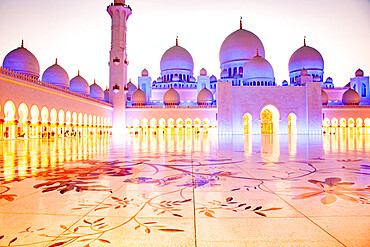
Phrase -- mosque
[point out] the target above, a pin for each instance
(245, 99)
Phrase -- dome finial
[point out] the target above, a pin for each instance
(94, 81)
(177, 40)
(257, 53)
(56, 61)
(304, 41)
(78, 73)
(22, 45)
(241, 22)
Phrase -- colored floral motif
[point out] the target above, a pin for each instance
(332, 188)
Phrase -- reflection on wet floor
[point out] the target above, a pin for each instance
(189, 190)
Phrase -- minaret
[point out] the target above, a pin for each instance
(119, 13)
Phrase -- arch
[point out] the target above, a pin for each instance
(197, 122)
(136, 123)
(44, 114)
(235, 71)
(367, 122)
(74, 118)
(363, 90)
(61, 116)
(144, 122)
(206, 122)
(153, 123)
(188, 122)
(68, 117)
(180, 122)
(85, 119)
(90, 120)
(270, 117)
(292, 123)
(342, 122)
(334, 122)
(162, 122)
(359, 122)
(351, 122)
(53, 116)
(241, 70)
(326, 122)
(23, 113)
(80, 119)
(247, 123)
(34, 114)
(171, 122)
(9, 111)
(98, 121)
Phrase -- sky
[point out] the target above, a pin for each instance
(78, 33)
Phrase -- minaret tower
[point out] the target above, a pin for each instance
(119, 13)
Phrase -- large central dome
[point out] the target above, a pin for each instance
(177, 58)
(240, 45)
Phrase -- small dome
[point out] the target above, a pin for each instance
(138, 97)
(285, 83)
(240, 45)
(317, 78)
(304, 72)
(224, 74)
(144, 73)
(79, 85)
(171, 97)
(56, 75)
(192, 79)
(306, 57)
(203, 71)
(205, 97)
(131, 87)
(213, 78)
(106, 95)
(177, 58)
(324, 97)
(258, 68)
(159, 79)
(329, 80)
(22, 61)
(96, 92)
(350, 97)
(359, 72)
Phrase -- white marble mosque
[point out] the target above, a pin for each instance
(243, 99)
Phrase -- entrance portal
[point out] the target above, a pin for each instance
(267, 126)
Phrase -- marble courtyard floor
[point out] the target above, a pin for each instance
(186, 190)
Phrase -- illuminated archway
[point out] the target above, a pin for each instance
(197, 126)
(351, 122)
(153, 123)
(292, 123)
(23, 113)
(247, 123)
(367, 122)
(9, 111)
(34, 129)
(270, 120)
(23, 123)
(342, 122)
(359, 122)
(334, 122)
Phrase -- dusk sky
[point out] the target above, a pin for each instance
(78, 33)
